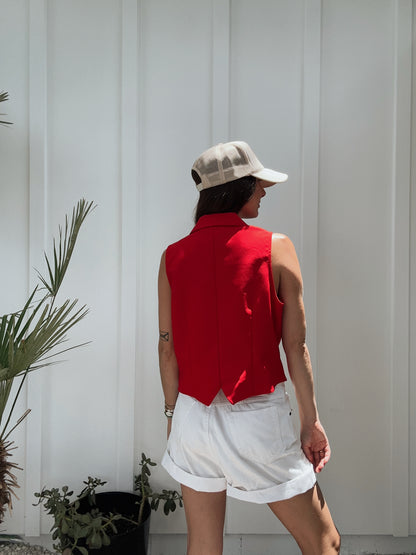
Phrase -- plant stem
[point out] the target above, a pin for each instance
(13, 406)
(143, 497)
(18, 422)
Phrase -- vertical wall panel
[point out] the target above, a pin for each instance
(275, 107)
(84, 99)
(355, 260)
(220, 116)
(128, 245)
(400, 268)
(14, 153)
(412, 334)
(37, 242)
(176, 69)
(14, 200)
(266, 98)
(309, 180)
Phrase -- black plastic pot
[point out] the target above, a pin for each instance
(133, 541)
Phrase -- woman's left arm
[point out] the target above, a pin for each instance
(313, 437)
(167, 358)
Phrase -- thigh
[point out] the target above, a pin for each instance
(205, 514)
(308, 519)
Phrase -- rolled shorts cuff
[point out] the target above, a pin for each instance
(198, 483)
(280, 492)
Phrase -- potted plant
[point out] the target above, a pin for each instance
(108, 523)
(30, 339)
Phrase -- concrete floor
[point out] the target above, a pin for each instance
(175, 544)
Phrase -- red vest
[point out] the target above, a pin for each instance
(226, 317)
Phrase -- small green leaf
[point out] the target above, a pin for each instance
(94, 541)
(64, 527)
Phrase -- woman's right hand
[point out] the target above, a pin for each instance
(315, 445)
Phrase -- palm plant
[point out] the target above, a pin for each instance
(31, 338)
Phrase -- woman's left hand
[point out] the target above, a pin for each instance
(315, 445)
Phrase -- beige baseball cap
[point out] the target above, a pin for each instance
(229, 161)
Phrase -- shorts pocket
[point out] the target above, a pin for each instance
(262, 432)
(287, 429)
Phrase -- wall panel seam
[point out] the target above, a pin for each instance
(220, 75)
(221, 80)
(37, 238)
(140, 231)
(128, 247)
(412, 325)
(400, 294)
(310, 110)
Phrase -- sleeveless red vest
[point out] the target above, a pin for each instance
(226, 316)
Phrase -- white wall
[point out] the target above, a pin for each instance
(112, 100)
(363, 292)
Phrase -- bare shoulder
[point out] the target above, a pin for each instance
(285, 266)
(162, 270)
(283, 250)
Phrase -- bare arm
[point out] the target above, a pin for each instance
(167, 358)
(288, 280)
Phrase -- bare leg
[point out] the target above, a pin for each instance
(205, 513)
(308, 519)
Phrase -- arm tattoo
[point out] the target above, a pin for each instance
(164, 335)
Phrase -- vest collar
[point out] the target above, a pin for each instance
(228, 219)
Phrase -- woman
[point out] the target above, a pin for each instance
(228, 293)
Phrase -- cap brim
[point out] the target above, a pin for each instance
(271, 176)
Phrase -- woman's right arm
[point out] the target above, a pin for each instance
(288, 278)
(167, 358)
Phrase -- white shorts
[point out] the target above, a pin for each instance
(249, 449)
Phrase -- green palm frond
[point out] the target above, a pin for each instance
(15, 325)
(48, 332)
(3, 97)
(62, 254)
(31, 338)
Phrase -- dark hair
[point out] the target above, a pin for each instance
(229, 197)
